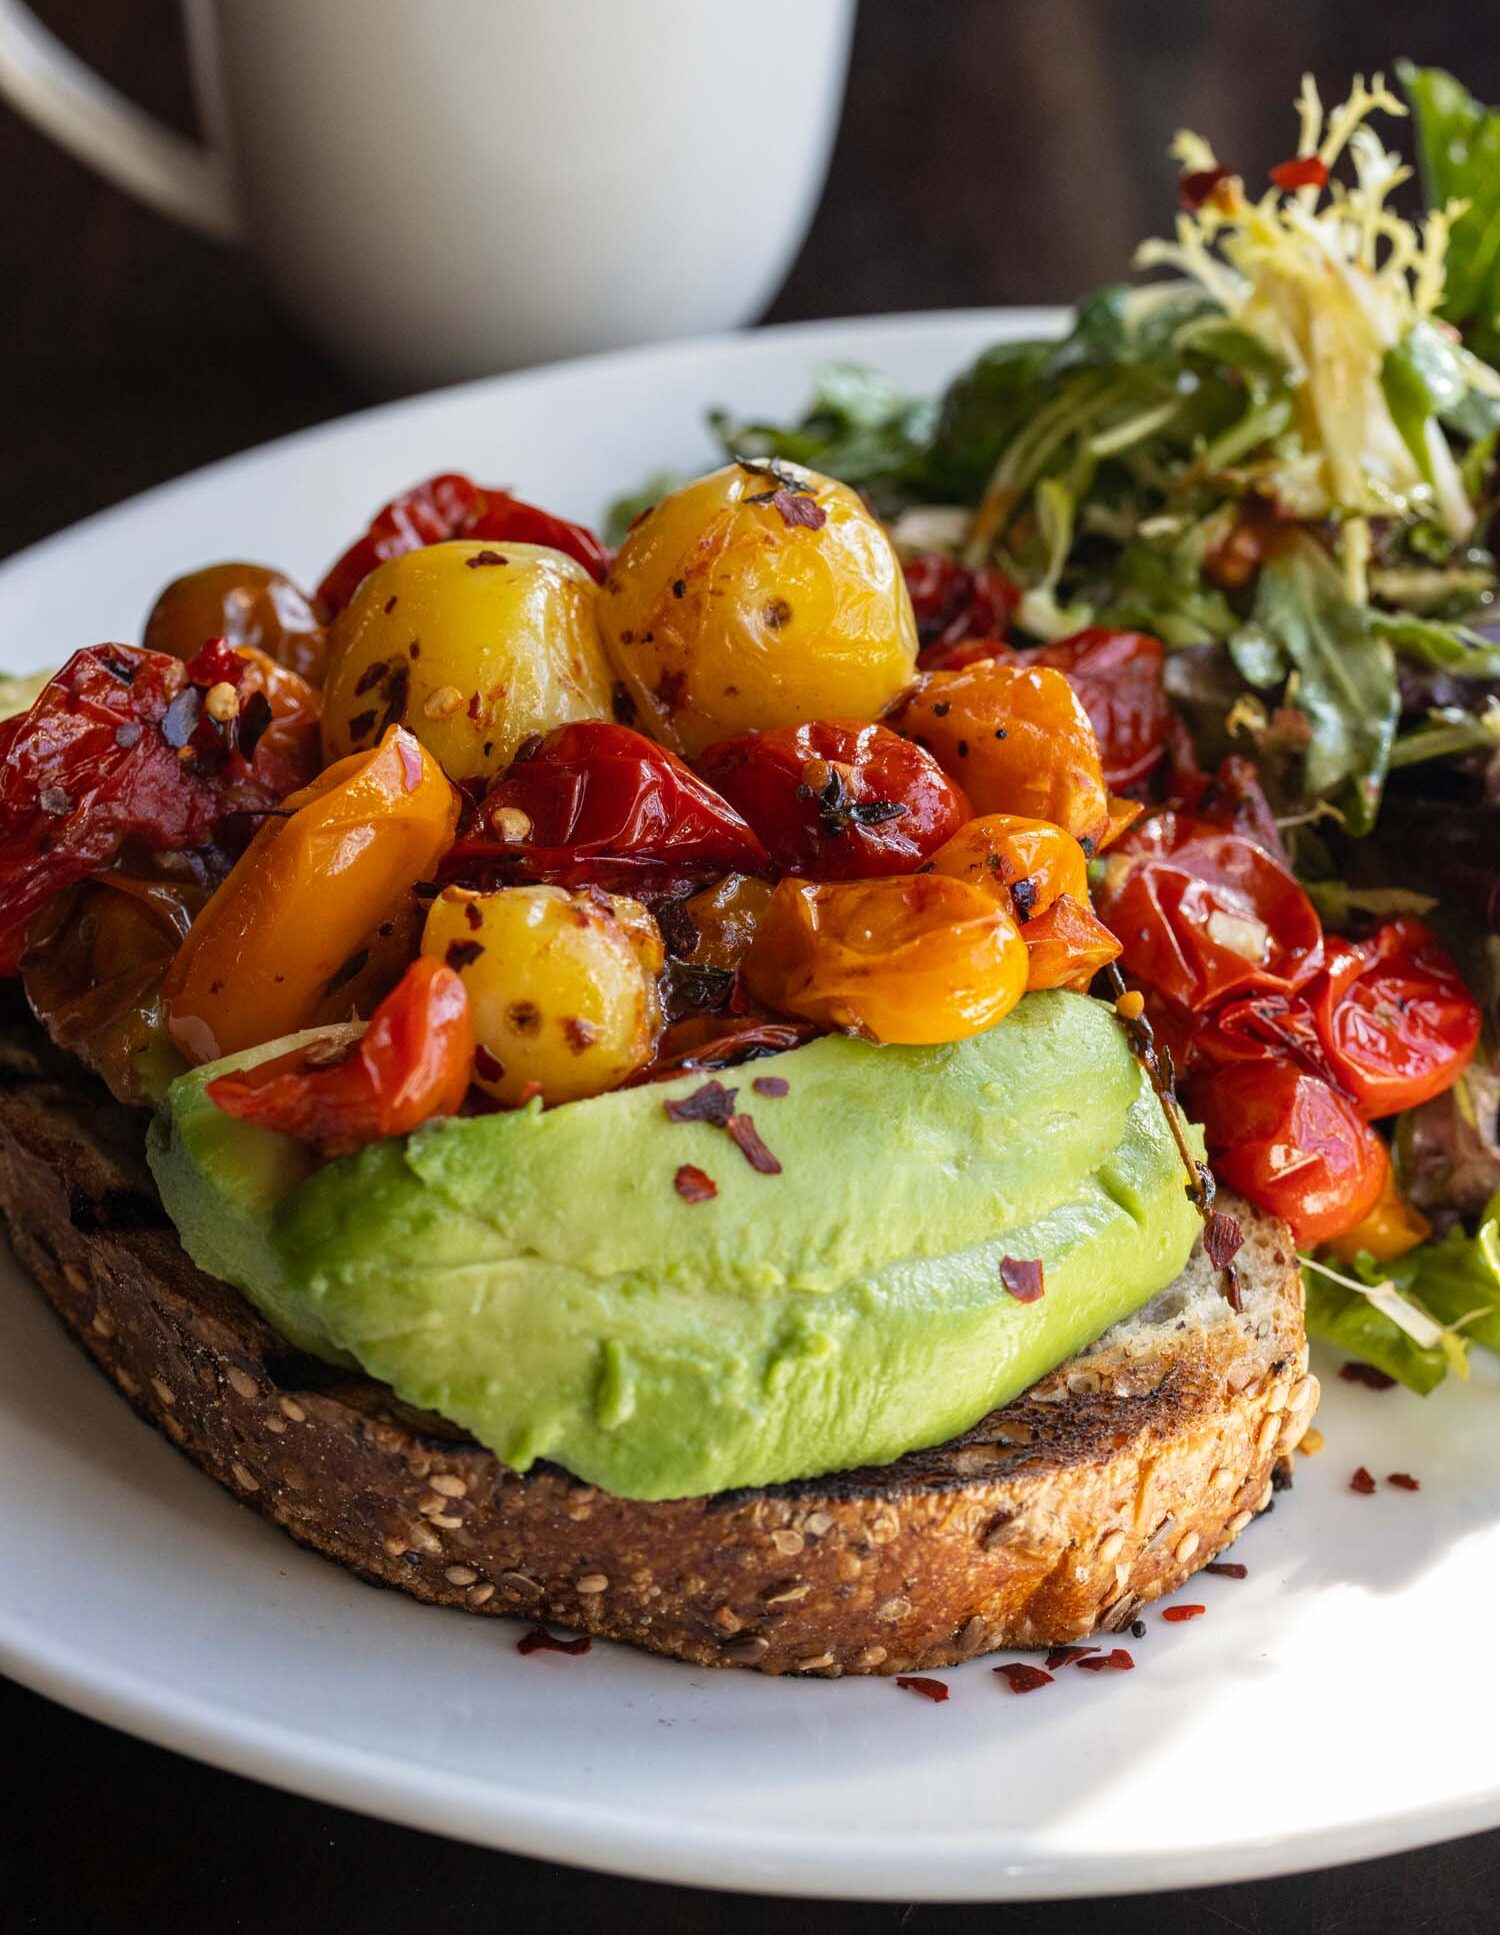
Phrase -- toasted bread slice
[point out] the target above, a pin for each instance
(1104, 1486)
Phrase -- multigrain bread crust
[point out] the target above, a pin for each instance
(1104, 1486)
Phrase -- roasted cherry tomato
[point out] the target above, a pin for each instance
(1397, 1020)
(1118, 677)
(959, 612)
(454, 506)
(720, 1041)
(124, 745)
(1025, 864)
(1290, 1143)
(1251, 1028)
(758, 596)
(1202, 914)
(1392, 1227)
(562, 987)
(913, 958)
(1066, 946)
(716, 926)
(838, 800)
(244, 604)
(413, 1061)
(1017, 739)
(599, 805)
(302, 899)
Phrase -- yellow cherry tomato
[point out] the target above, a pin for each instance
(748, 600)
(1017, 739)
(279, 935)
(911, 958)
(562, 986)
(724, 918)
(472, 647)
(1024, 864)
(1392, 1227)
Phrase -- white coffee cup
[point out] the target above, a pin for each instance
(440, 188)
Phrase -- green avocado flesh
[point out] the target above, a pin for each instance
(535, 1277)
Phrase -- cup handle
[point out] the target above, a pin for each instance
(41, 79)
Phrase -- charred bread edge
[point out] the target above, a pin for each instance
(1103, 1487)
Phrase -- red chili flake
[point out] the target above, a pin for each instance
(746, 1138)
(712, 1103)
(1195, 187)
(1403, 1481)
(1362, 1482)
(693, 1185)
(1304, 171)
(772, 1085)
(488, 1066)
(1067, 1656)
(1228, 1569)
(1222, 1237)
(929, 1689)
(539, 1640)
(797, 507)
(1023, 1678)
(485, 557)
(462, 954)
(1174, 1615)
(1117, 1660)
(1022, 1277)
(529, 1092)
(1356, 1373)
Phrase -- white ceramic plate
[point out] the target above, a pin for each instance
(1322, 1710)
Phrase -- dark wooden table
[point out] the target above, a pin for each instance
(989, 153)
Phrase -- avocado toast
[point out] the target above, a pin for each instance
(1104, 1485)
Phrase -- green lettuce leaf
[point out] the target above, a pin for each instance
(1457, 1277)
(1351, 1323)
(858, 427)
(1458, 148)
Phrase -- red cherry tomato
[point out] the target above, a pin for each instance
(1202, 914)
(954, 605)
(1250, 1028)
(414, 1061)
(1290, 1143)
(837, 799)
(121, 745)
(1118, 676)
(599, 805)
(1397, 1021)
(451, 506)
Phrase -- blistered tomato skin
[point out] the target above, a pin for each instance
(1017, 739)
(1024, 864)
(916, 958)
(838, 799)
(562, 986)
(472, 647)
(245, 604)
(748, 600)
(302, 900)
(1397, 1020)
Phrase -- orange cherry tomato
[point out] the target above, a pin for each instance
(1066, 946)
(1017, 739)
(1024, 864)
(908, 958)
(307, 891)
(414, 1061)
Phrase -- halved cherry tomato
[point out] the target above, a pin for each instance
(1202, 914)
(1017, 739)
(125, 745)
(304, 896)
(598, 805)
(1118, 677)
(1397, 1021)
(452, 506)
(909, 958)
(838, 799)
(954, 606)
(1024, 864)
(1290, 1143)
(412, 1062)
(1066, 946)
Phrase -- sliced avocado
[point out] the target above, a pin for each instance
(536, 1277)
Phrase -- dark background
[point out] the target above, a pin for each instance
(991, 151)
